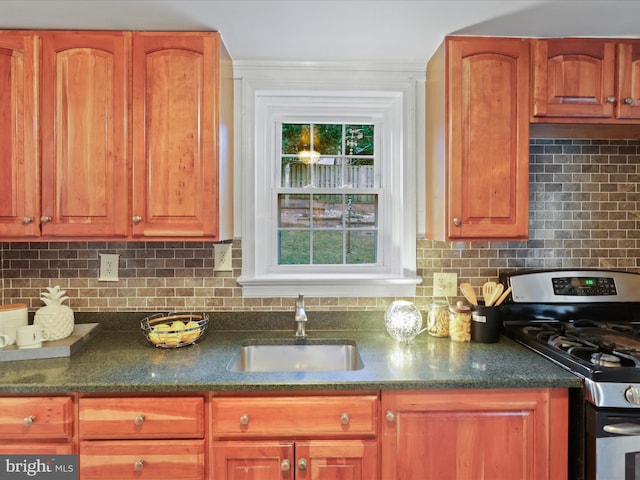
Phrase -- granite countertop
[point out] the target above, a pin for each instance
(124, 361)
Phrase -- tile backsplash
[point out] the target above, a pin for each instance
(583, 213)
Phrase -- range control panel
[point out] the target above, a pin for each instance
(573, 286)
(584, 286)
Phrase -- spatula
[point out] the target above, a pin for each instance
(469, 294)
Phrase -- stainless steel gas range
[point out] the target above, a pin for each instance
(587, 321)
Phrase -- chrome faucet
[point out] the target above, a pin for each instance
(301, 318)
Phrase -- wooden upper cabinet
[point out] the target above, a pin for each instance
(177, 116)
(478, 139)
(84, 112)
(585, 80)
(628, 104)
(19, 181)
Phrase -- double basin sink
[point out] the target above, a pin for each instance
(296, 355)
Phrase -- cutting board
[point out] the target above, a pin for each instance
(66, 347)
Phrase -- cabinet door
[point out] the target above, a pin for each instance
(19, 181)
(84, 134)
(253, 461)
(174, 164)
(462, 434)
(573, 78)
(337, 460)
(628, 96)
(488, 148)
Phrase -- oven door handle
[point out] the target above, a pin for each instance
(623, 428)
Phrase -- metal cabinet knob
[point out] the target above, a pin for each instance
(390, 416)
(302, 464)
(45, 219)
(457, 222)
(628, 101)
(28, 421)
(139, 465)
(611, 99)
(136, 219)
(244, 419)
(345, 418)
(285, 465)
(139, 420)
(27, 220)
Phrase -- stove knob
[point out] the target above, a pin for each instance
(632, 394)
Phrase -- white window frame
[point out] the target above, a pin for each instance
(263, 108)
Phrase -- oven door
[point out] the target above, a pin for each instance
(613, 444)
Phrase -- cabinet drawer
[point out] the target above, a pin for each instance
(41, 448)
(36, 417)
(125, 417)
(123, 459)
(341, 416)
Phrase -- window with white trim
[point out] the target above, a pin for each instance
(329, 214)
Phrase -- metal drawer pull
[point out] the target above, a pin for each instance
(390, 416)
(457, 222)
(302, 464)
(244, 419)
(137, 219)
(139, 420)
(611, 99)
(285, 465)
(28, 421)
(628, 100)
(45, 219)
(345, 419)
(27, 220)
(139, 465)
(623, 428)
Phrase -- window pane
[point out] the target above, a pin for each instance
(327, 211)
(327, 173)
(359, 140)
(360, 172)
(361, 246)
(294, 247)
(295, 174)
(327, 247)
(294, 210)
(362, 211)
(327, 139)
(295, 137)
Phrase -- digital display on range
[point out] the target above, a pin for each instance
(584, 286)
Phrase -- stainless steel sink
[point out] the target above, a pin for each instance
(296, 356)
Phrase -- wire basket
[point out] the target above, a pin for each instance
(173, 330)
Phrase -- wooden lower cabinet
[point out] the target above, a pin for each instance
(464, 434)
(295, 437)
(300, 460)
(143, 437)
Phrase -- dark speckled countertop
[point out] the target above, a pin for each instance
(119, 359)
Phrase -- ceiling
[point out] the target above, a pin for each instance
(333, 30)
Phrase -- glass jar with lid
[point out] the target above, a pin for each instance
(438, 318)
(460, 322)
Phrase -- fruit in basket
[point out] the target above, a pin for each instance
(191, 332)
(165, 334)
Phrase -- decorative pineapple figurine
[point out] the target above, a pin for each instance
(56, 317)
